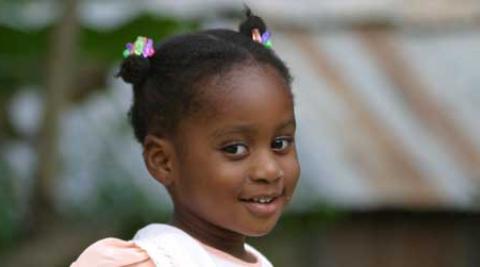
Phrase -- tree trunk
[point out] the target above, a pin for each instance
(59, 79)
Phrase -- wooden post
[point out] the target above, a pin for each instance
(59, 79)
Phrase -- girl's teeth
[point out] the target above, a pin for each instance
(262, 200)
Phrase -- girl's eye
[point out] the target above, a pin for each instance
(235, 149)
(281, 144)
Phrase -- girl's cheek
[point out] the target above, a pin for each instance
(232, 171)
(292, 172)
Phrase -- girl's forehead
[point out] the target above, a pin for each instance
(245, 85)
(253, 96)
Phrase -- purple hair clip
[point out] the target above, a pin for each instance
(143, 46)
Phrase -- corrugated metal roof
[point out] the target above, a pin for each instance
(387, 118)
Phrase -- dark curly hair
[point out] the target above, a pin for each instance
(167, 85)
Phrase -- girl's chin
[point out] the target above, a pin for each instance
(260, 230)
(264, 218)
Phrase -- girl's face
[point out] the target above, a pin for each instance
(237, 169)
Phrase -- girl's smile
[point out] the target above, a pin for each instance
(264, 205)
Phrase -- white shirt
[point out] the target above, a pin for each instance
(169, 246)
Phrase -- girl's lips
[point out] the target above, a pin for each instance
(264, 209)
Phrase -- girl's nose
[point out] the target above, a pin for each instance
(266, 168)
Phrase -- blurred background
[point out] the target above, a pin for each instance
(387, 102)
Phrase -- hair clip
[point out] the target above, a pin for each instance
(143, 46)
(262, 38)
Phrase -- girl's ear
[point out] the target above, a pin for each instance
(158, 154)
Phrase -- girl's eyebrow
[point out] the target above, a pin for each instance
(290, 123)
(248, 129)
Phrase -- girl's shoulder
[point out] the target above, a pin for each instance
(113, 252)
(154, 245)
(170, 246)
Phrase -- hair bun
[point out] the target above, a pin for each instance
(252, 22)
(134, 69)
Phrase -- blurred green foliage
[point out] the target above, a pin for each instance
(24, 53)
(108, 46)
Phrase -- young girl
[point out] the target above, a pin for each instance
(214, 113)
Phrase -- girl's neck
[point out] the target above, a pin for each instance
(211, 235)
